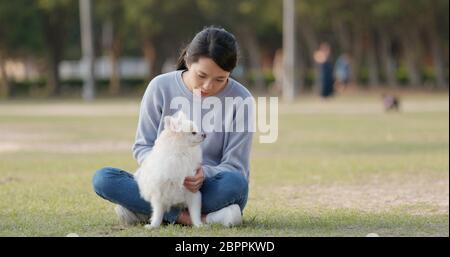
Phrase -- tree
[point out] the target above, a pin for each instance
(289, 50)
(161, 26)
(248, 19)
(385, 14)
(19, 35)
(435, 24)
(114, 28)
(57, 18)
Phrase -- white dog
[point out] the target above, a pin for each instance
(175, 155)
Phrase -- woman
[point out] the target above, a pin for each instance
(204, 66)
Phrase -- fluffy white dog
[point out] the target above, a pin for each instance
(175, 155)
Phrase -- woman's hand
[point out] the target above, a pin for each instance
(193, 183)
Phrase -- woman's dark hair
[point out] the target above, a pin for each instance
(215, 43)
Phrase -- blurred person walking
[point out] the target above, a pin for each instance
(322, 57)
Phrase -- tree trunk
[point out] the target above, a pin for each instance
(113, 44)
(313, 44)
(114, 83)
(355, 64)
(159, 63)
(343, 35)
(87, 44)
(438, 62)
(53, 82)
(5, 85)
(289, 43)
(154, 60)
(374, 79)
(436, 46)
(411, 54)
(53, 23)
(254, 56)
(388, 60)
(300, 68)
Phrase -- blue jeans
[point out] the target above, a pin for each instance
(119, 187)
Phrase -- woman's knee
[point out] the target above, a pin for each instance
(224, 189)
(102, 180)
(235, 185)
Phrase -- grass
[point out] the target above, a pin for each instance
(339, 168)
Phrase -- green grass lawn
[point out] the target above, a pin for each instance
(341, 167)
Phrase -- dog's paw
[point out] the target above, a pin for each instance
(151, 227)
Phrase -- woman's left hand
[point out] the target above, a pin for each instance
(193, 183)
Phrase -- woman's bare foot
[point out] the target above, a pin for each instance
(185, 219)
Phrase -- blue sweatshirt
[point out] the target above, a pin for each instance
(222, 150)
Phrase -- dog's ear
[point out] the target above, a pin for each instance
(170, 123)
(173, 123)
(180, 115)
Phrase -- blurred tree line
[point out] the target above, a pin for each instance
(391, 42)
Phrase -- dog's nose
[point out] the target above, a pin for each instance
(203, 135)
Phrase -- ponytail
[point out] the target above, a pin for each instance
(181, 63)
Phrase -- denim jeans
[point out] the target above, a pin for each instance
(120, 187)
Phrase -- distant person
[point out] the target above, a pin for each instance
(342, 72)
(322, 57)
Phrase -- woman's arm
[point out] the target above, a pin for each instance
(149, 121)
(236, 151)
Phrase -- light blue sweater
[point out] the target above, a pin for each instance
(222, 151)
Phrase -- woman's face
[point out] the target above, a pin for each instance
(207, 77)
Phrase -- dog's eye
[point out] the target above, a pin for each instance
(194, 133)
